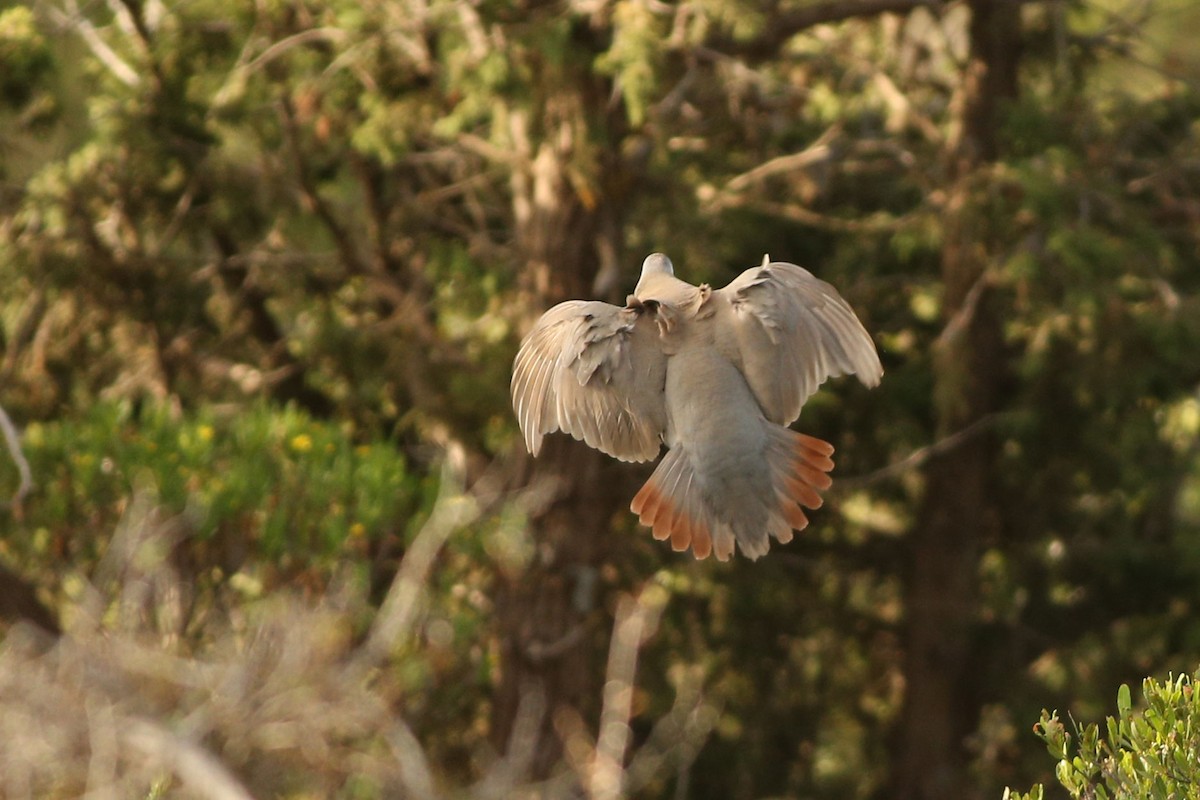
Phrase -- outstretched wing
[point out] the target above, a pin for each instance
(789, 332)
(595, 371)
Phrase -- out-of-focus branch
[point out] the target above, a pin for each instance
(235, 81)
(956, 327)
(902, 111)
(676, 737)
(637, 617)
(74, 19)
(414, 766)
(314, 202)
(13, 440)
(454, 509)
(880, 222)
(783, 25)
(503, 778)
(482, 147)
(197, 769)
(917, 458)
(747, 190)
(601, 766)
(820, 150)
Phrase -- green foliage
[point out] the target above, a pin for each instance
(633, 59)
(249, 509)
(25, 57)
(289, 490)
(1152, 753)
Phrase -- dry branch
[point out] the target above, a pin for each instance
(13, 441)
(922, 455)
(284, 694)
(198, 770)
(783, 25)
(74, 19)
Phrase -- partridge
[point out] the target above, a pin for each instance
(716, 375)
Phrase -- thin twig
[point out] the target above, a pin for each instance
(879, 222)
(922, 455)
(820, 150)
(13, 439)
(75, 19)
(962, 317)
(236, 79)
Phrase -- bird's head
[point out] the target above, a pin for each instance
(657, 264)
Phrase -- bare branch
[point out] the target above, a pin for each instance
(879, 222)
(482, 147)
(74, 19)
(636, 620)
(784, 25)
(677, 737)
(902, 112)
(452, 511)
(13, 440)
(277, 49)
(198, 770)
(820, 150)
(919, 457)
(236, 79)
(746, 190)
(414, 766)
(506, 775)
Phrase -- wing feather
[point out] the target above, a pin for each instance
(597, 372)
(789, 332)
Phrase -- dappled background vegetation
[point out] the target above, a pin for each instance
(263, 269)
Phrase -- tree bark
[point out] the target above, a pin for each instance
(551, 614)
(552, 626)
(959, 512)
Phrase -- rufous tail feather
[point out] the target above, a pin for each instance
(670, 505)
(801, 478)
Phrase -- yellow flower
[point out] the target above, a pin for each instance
(357, 530)
(302, 443)
(205, 432)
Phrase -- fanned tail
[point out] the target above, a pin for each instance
(800, 466)
(671, 505)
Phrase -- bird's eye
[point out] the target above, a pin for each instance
(650, 305)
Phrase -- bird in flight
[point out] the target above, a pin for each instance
(715, 374)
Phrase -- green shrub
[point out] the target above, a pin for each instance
(1151, 753)
(284, 487)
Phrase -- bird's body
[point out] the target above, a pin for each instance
(716, 376)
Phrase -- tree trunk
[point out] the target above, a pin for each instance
(958, 512)
(551, 623)
(551, 616)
